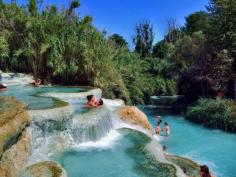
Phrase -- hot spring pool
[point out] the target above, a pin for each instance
(27, 94)
(121, 153)
(206, 146)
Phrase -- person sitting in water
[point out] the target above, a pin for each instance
(92, 101)
(204, 171)
(100, 102)
(158, 128)
(3, 86)
(167, 129)
(38, 82)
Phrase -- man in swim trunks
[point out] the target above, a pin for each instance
(167, 129)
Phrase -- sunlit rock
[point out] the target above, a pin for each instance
(44, 169)
(13, 119)
(133, 115)
(15, 158)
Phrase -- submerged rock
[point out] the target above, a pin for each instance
(133, 115)
(44, 169)
(13, 120)
(190, 167)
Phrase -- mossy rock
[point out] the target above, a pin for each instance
(191, 167)
(44, 169)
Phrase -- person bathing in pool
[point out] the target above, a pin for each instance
(93, 102)
(158, 128)
(100, 102)
(167, 129)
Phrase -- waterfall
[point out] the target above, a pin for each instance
(91, 126)
(50, 136)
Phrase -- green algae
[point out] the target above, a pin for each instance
(191, 167)
(145, 163)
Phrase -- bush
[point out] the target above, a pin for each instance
(214, 113)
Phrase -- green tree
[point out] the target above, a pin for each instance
(4, 52)
(119, 40)
(189, 49)
(162, 50)
(198, 21)
(143, 39)
(33, 7)
(174, 32)
(223, 31)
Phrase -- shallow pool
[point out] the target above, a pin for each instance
(27, 94)
(124, 157)
(212, 147)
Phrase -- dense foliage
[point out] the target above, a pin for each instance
(219, 113)
(59, 46)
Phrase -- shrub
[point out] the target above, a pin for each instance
(214, 113)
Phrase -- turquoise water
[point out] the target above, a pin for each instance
(206, 146)
(212, 147)
(126, 158)
(112, 161)
(27, 94)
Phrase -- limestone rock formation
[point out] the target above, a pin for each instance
(13, 119)
(44, 169)
(14, 137)
(191, 167)
(15, 158)
(56, 114)
(133, 115)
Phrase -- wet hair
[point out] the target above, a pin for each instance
(205, 170)
(166, 123)
(100, 102)
(159, 122)
(89, 97)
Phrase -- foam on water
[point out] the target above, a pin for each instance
(106, 142)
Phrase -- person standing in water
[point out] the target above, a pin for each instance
(167, 129)
(158, 128)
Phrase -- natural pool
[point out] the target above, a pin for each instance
(206, 146)
(121, 152)
(27, 94)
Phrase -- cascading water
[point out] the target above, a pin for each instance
(81, 128)
(91, 126)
